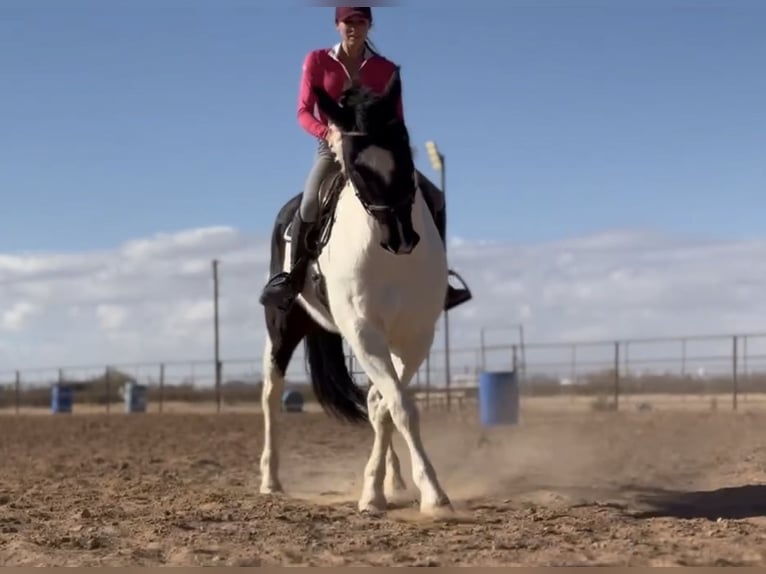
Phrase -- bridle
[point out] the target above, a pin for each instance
(374, 209)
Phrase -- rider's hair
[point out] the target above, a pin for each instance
(372, 47)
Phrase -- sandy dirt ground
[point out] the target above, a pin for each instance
(561, 488)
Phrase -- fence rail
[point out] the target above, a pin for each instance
(610, 372)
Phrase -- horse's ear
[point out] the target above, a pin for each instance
(329, 107)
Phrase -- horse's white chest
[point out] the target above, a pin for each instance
(365, 273)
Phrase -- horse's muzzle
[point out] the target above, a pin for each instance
(402, 247)
(397, 234)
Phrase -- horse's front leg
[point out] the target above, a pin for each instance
(383, 462)
(373, 498)
(370, 348)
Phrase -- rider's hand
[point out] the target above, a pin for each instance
(332, 134)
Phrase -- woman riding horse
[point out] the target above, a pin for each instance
(350, 62)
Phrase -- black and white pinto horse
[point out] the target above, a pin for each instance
(379, 282)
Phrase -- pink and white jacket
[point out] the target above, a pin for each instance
(322, 68)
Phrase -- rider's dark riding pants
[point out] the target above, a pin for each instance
(324, 166)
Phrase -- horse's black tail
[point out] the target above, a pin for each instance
(333, 386)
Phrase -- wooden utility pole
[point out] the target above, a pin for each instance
(216, 337)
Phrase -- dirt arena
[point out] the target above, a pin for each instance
(672, 487)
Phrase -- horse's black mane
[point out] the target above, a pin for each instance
(365, 109)
(358, 95)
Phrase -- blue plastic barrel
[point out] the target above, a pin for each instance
(292, 401)
(61, 398)
(135, 398)
(498, 398)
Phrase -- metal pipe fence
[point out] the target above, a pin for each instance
(613, 373)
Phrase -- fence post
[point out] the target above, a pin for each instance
(573, 366)
(18, 392)
(482, 350)
(447, 367)
(218, 376)
(428, 381)
(616, 375)
(735, 382)
(514, 359)
(745, 372)
(108, 388)
(162, 384)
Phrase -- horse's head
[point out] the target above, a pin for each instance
(374, 151)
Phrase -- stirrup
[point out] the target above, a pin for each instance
(456, 296)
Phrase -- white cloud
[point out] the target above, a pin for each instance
(111, 317)
(17, 316)
(150, 300)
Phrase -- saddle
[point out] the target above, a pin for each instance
(329, 193)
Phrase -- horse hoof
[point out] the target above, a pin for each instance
(373, 507)
(438, 509)
(271, 488)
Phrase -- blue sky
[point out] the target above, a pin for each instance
(125, 118)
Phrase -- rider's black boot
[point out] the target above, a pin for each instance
(283, 288)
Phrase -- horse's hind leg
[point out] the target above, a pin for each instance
(393, 468)
(273, 385)
(285, 330)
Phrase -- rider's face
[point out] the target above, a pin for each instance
(353, 31)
